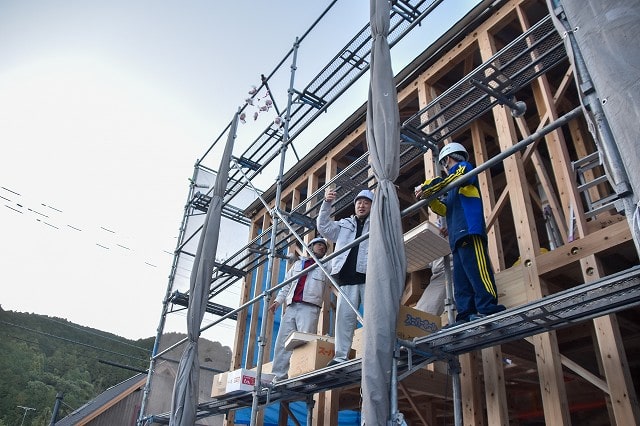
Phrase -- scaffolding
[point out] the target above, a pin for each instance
(496, 82)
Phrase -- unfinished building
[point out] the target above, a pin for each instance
(499, 82)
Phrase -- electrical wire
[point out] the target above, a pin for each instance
(73, 341)
(83, 329)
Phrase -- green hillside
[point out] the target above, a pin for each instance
(41, 356)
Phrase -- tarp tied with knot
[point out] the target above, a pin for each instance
(387, 263)
(184, 403)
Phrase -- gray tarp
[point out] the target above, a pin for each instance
(608, 35)
(185, 391)
(386, 267)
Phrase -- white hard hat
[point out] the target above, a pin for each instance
(318, 240)
(451, 148)
(365, 193)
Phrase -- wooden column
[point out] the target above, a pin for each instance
(548, 358)
(494, 387)
(487, 192)
(326, 404)
(471, 384)
(622, 395)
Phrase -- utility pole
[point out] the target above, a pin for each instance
(56, 408)
(26, 410)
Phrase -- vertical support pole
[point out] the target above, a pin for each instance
(56, 408)
(310, 405)
(454, 365)
(165, 306)
(395, 414)
(272, 243)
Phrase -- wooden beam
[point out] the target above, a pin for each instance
(428, 382)
(593, 243)
(552, 387)
(546, 183)
(471, 389)
(487, 192)
(494, 387)
(623, 398)
(408, 397)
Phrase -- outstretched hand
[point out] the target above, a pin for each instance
(330, 195)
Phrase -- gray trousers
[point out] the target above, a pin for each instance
(346, 319)
(432, 300)
(297, 317)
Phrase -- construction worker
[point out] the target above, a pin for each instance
(348, 268)
(432, 299)
(473, 282)
(303, 299)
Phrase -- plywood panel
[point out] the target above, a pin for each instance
(423, 244)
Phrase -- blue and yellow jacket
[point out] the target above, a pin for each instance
(462, 206)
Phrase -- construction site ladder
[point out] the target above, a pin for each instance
(588, 181)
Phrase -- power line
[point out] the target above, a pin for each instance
(84, 330)
(73, 341)
(54, 219)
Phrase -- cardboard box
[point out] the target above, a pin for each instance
(298, 338)
(311, 356)
(219, 384)
(414, 286)
(266, 368)
(244, 380)
(411, 323)
(414, 323)
(358, 341)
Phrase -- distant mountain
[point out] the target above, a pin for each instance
(42, 355)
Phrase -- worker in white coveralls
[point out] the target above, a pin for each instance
(433, 297)
(348, 268)
(303, 298)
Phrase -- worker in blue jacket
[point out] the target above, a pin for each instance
(474, 285)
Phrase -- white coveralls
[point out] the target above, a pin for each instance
(298, 316)
(432, 299)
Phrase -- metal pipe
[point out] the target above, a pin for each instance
(272, 244)
(310, 404)
(561, 121)
(396, 416)
(56, 408)
(454, 372)
(165, 307)
(422, 203)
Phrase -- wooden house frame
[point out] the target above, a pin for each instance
(581, 374)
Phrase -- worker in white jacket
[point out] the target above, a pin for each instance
(432, 299)
(348, 268)
(303, 298)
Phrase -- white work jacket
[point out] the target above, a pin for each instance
(313, 287)
(343, 232)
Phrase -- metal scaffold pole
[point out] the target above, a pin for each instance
(272, 243)
(165, 309)
(454, 364)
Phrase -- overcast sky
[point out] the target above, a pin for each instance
(105, 106)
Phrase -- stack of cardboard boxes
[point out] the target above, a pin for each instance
(411, 323)
(312, 355)
(312, 352)
(238, 381)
